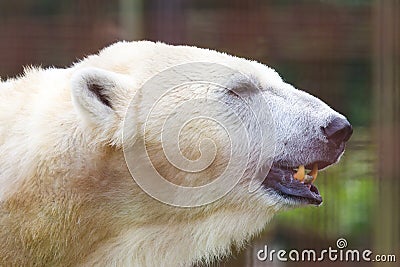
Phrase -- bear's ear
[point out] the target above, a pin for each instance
(94, 92)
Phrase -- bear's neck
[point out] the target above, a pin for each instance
(181, 244)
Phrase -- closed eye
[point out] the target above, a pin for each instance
(233, 93)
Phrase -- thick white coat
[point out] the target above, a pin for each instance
(67, 197)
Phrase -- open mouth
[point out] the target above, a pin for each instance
(296, 183)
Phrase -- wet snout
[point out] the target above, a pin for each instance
(338, 131)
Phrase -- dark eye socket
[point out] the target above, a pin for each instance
(231, 92)
(242, 92)
(243, 88)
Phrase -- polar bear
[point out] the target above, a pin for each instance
(72, 192)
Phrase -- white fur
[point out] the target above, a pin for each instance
(66, 195)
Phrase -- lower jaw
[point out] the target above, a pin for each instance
(283, 184)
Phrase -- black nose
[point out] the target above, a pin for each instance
(338, 130)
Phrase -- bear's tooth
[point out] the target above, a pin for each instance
(314, 172)
(300, 174)
(308, 179)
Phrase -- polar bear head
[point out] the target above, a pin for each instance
(212, 140)
(145, 145)
(187, 117)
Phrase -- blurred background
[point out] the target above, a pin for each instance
(346, 52)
